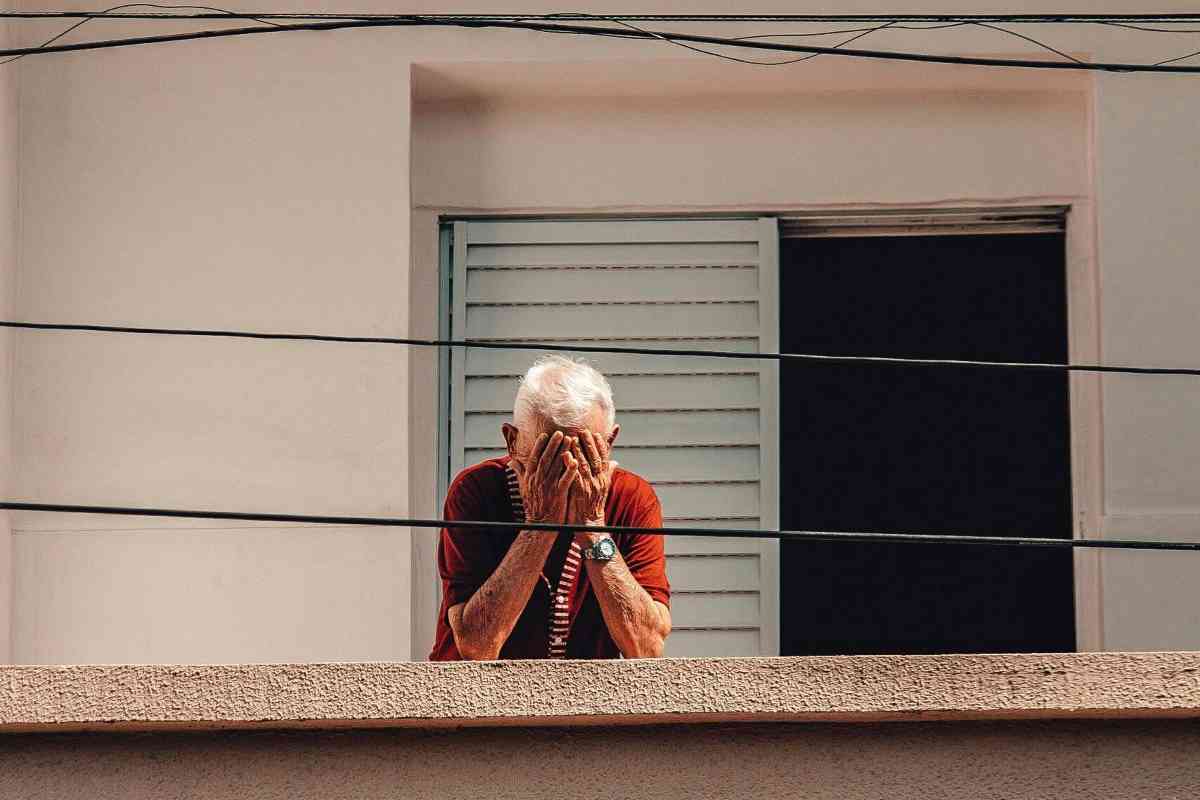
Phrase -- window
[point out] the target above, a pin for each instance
(706, 431)
(947, 450)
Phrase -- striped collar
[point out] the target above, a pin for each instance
(514, 494)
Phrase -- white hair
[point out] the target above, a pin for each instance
(564, 392)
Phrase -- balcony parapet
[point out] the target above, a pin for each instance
(139, 697)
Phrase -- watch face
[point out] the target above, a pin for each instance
(605, 549)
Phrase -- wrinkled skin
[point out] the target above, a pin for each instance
(564, 474)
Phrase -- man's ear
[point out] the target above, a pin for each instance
(612, 437)
(510, 437)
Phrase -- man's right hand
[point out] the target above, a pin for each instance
(546, 478)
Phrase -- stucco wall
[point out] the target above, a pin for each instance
(8, 266)
(265, 184)
(1145, 160)
(985, 761)
(236, 188)
(580, 692)
(848, 145)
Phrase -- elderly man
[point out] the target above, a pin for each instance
(522, 594)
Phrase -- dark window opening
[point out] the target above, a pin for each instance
(936, 449)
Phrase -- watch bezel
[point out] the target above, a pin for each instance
(604, 550)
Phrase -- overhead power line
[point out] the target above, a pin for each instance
(113, 12)
(626, 31)
(615, 349)
(215, 13)
(726, 533)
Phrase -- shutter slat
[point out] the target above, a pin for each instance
(715, 573)
(711, 643)
(566, 285)
(692, 463)
(709, 499)
(600, 231)
(712, 610)
(648, 320)
(709, 545)
(535, 255)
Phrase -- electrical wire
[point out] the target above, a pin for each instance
(591, 30)
(725, 533)
(867, 31)
(843, 31)
(108, 13)
(668, 40)
(1030, 39)
(859, 34)
(1177, 58)
(1038, 19)
(219, 13)
(1148, 29)
(615, 349)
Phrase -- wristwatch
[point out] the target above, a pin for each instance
(603, 550)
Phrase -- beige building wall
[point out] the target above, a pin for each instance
(1146, 160)
(226, 188)
(987, 761)
(8, 265)
(268, 184)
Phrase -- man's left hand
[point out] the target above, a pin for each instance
(589, 492)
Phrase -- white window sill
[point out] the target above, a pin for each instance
(416, 694)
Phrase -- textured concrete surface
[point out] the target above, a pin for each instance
(1064, 760)
(600, 693)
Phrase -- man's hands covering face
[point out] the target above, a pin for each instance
(589, 492)
(565, 478)
(546, 478)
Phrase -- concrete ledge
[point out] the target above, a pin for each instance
(415, 694)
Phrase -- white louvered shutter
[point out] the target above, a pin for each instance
(703, 431)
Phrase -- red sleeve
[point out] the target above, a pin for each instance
(643, 552)
(465, 559)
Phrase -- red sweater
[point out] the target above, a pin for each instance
(466, 558)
